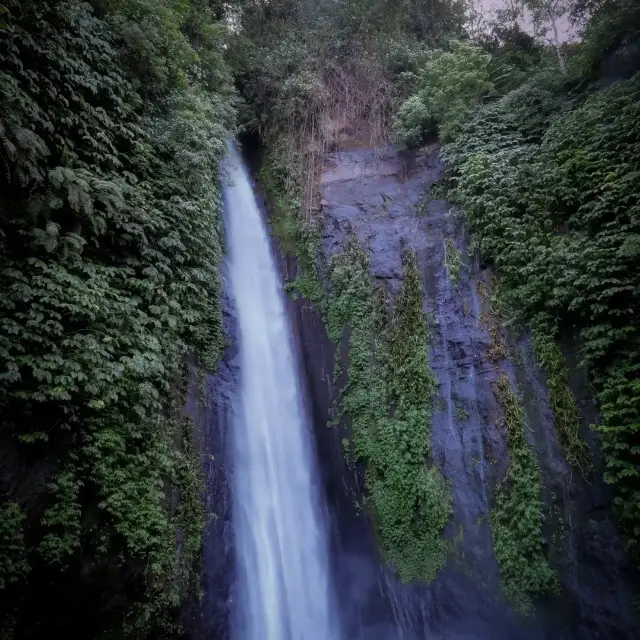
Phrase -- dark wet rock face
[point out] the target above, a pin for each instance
(596, 599)
(384, 199)
(211, 409)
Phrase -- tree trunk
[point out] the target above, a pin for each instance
(556, 42)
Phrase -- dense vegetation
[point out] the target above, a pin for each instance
(548, 177)
(389, 401)
(517, 516)
(557, 209)
(113, 120)
(114, 117)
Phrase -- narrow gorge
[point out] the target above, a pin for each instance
(319, 319)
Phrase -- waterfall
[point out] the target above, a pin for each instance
(281, 544)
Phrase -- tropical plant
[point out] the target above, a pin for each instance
(556, 208)
(110, 243)
(451, 84)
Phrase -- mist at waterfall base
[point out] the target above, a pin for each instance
(283, 584)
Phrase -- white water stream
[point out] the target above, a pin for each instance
(281, 543)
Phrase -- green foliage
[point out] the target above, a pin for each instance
(515, 55)
(558, 211)
(427, 20)
(190, 517)
(453, 261)
(297, 237)
(389, 401)
(611, 28)
(280, 75)
(563, 402)
(451, 84)
(13, 562)
(110, 239)
(308, 68)
(517, 518)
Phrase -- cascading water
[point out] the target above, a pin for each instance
(281, 544)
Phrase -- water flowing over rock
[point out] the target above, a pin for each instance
(384, 198)
(283, 582)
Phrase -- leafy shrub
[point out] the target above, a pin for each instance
(110, 243)
(451, 85)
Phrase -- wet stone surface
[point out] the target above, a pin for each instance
(211, 407)
(383, 198)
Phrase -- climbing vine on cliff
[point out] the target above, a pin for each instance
(563, 401)
(281, 178)
(557, 210)
(517, 516)
(388, 400)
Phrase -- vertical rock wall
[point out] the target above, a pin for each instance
(211, 407)
(384, 198)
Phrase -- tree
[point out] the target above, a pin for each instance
(452, 83)
(545, 15)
